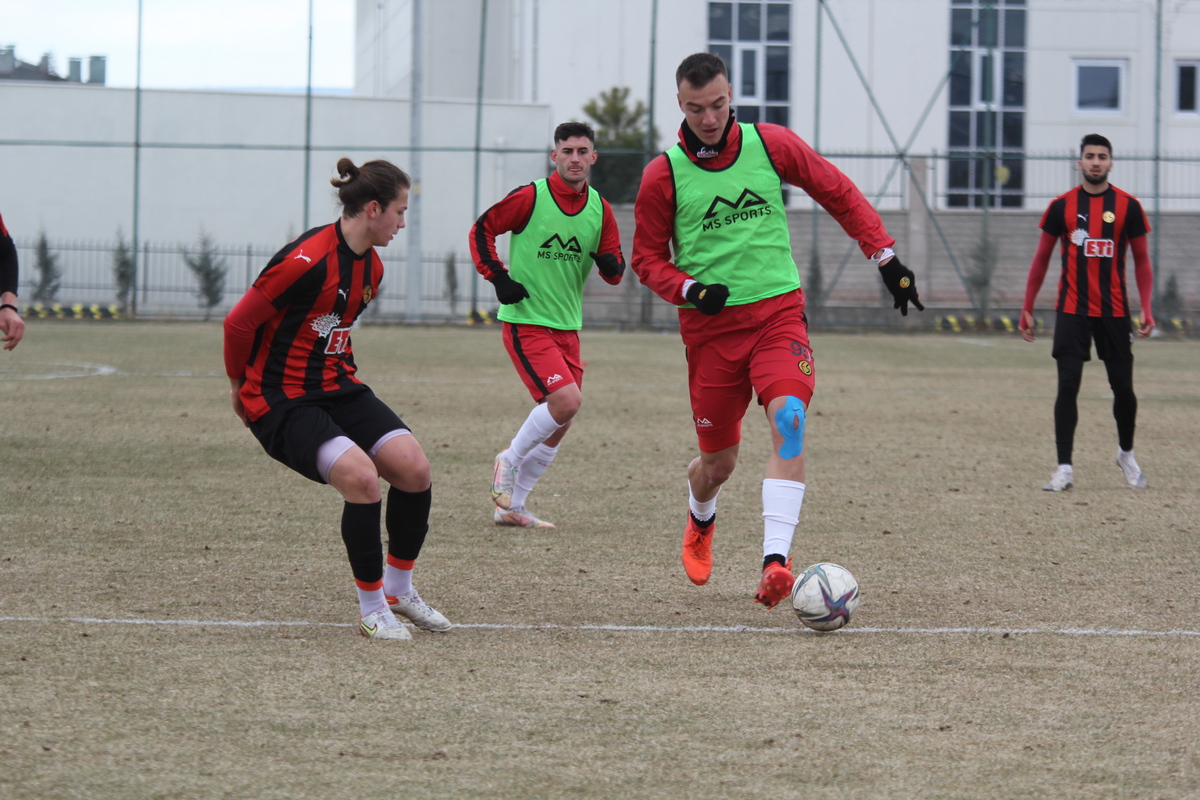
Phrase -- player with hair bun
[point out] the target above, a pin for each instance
(291, 370)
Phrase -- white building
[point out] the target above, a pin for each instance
(1027, 78)
(987, 99)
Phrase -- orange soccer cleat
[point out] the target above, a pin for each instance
(697, 550)
(776, 583)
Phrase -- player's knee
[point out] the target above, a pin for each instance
(717, 470)
(565, 404)
(789, 422)
(361, 485)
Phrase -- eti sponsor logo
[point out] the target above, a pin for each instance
(553, 379)
(338, 339)
(1093, 248)
(555, 249)
(723, 212)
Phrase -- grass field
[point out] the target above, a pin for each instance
(176, 610)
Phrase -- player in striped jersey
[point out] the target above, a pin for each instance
(11, 325)
(292, 374)
(1096, 223)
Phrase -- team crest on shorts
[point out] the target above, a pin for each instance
(905, 283)
(367, 294)
(805, 367)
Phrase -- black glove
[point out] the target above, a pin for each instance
(508, 291)
(708, 299)
(609, 265)
(901, 282)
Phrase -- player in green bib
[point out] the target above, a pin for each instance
(560, 226)
(712, 237)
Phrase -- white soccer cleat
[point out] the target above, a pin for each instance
(418, 612)
(504, 475)
(1133, 473)
(382, 624)
(519, 518)
(1062, 479)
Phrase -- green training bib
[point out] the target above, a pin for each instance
(730, 225)
(550, 256)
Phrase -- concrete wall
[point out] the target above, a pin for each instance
(232, 164)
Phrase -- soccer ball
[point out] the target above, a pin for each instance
(824, 596)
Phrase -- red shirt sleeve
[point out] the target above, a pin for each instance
(243, 320)
(610, 240)
(1037, 269)
(1143, 273)
(801, 166)
(653, 231)
(510, 214)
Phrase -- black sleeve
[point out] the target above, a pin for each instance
(8, 265)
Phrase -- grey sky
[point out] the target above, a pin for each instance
(189, 44)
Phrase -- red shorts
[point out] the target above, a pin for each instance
(547, 359)
(759, 348)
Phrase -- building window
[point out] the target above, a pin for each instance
(753, 37)
(1186, 97)
(986, 97)
(1099, 86)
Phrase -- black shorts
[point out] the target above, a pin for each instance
(294, 432)
(1073, 335)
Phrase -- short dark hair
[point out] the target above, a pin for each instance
(568, 129)
(375, 180)
(700, 69)
(1097, 140)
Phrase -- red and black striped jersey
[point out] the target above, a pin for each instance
(319, 287)
(8, 261)
(1095, 231)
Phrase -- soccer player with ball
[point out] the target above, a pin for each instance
(712, 238)
(292, 375)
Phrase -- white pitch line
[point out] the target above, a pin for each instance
(614, 628)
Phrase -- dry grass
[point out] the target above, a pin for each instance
(135, 495)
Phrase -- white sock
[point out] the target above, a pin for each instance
(781, 514)
(537, 428)
(532, 468)
(370, 600)
(702, 511)
(396, 581)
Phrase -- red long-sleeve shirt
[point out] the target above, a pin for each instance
(797, 164)
(513, 213)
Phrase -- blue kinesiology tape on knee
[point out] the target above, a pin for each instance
(789, 420)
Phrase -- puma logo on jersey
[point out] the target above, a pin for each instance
(301, 255)
(342, 292)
